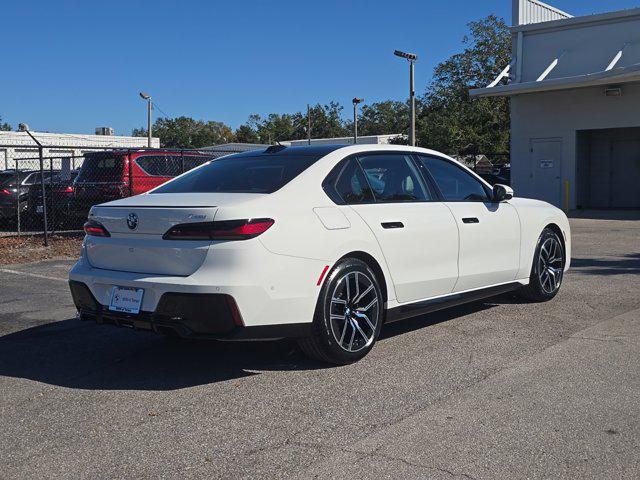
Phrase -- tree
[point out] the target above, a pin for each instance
(383, 118)
(326, 122)
(185, 132)
(246, 134)
(448, 119)
(4, 127)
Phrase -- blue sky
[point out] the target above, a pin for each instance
(69, 66)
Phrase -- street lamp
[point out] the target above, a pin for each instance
(411, 58)
(356, 101)
(147, 97)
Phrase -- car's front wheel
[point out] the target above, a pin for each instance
(548, 268)
(348, 315)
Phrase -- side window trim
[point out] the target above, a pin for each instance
(484, 187)
(432, 188)
(329, 182)
(428, 179)
(356, 158)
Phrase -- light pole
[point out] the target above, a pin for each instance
(308, 124)
(147, 97)
(411, 57)
(356, 101)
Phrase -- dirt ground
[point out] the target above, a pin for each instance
(30, 248)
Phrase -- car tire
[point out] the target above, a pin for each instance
(348, 316)
(547, 270)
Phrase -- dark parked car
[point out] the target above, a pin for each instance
(14, 191)
(106, 176)
(59, 191)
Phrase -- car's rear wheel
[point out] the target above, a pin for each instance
(547, 270)
(348, 315)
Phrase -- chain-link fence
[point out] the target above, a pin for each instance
(44, 194)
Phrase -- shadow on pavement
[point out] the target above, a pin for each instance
(631, 214)
(627, 264)
(76, 354)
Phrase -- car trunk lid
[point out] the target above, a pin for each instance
(137, 224)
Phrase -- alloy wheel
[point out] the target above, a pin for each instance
(354, 311)
(550, 264)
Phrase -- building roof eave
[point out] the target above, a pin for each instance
(615, 76)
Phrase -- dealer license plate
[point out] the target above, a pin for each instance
(126, 299)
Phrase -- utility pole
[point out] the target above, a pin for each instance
(149, 108)
(411, 58)
(356, 101)
(147, 97)
(308, 124)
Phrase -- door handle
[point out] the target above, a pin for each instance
(470, 220)
(392, 225)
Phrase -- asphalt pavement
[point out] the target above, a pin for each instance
(496, 389)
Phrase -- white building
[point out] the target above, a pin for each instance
(574, 85)
(367, 139)
(16, 145)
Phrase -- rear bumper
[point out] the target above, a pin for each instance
(268, 289)
(187, 315)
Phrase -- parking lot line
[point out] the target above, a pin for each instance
(27, 274)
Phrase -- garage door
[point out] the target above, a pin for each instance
(625, 173)
(614, 169)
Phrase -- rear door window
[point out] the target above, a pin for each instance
(160, 165)
(394, 178)
(351, 185)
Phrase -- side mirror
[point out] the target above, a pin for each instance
(502, 192)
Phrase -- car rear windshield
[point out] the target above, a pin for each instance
(101, 168)
(259, 174)
(7, 178)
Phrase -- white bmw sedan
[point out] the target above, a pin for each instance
(323, 244)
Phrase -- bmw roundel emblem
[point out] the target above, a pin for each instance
(132, 221)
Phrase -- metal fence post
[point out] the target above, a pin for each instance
(18, 190)
(181, 161)
(44, 199)
(130, 173)
(53, 208)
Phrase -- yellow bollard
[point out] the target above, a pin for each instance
(566, 196)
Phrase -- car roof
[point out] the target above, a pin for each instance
(283, 150)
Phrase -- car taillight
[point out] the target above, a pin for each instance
(5, 191)
(223, 230)
(69, 189)
(95, 229)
